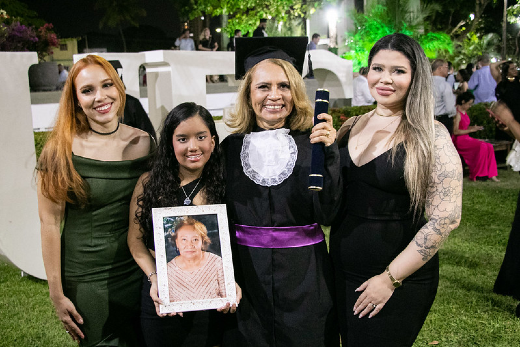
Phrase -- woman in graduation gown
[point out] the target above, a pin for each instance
(281, 259)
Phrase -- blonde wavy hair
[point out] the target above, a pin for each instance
(58, 178)
(416, 130)
(243, 119)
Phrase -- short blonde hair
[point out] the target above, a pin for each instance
(243, 119)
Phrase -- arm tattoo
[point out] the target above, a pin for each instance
(444, 198)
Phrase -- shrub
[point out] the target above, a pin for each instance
(479, 116)
(341, 115)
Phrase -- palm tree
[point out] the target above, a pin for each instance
(118, 12)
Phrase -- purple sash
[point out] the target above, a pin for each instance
(279, 237)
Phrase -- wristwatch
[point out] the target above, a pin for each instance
(395, 283)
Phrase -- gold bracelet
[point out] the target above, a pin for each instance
(395, 282)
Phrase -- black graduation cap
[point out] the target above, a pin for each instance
(252, 50)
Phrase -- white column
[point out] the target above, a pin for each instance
(20, 240)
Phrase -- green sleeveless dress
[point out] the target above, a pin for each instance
(98, 272)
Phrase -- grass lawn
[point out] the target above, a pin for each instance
(465, 312)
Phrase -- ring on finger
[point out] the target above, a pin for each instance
(373, 305)
(328, 133)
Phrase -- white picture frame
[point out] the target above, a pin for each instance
(214, 217)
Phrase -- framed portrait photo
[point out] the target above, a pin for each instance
(193, 258)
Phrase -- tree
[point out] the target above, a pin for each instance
(119, 12)
(380, 21)
(21, 13)
(246, 14)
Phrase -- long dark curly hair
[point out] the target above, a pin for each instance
(161, 187)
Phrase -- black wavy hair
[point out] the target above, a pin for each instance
(464, 97)
(161, 187)
(505, 70)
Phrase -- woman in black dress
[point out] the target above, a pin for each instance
(508, 92)
(186, 170)
(398, 165)
(281, 259)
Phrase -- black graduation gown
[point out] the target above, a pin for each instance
(287, 292)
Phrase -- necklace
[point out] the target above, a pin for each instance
(386, 126)
(187, 201)
(105, 134)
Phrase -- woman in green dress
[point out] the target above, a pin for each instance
(86, 175)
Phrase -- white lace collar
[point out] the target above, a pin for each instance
(268, 157)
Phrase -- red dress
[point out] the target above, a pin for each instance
(478, 155)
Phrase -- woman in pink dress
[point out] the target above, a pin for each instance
(478, 155)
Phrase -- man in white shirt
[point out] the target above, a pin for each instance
(63, 74)
(444, 98)
(362, 94)
(184, 42)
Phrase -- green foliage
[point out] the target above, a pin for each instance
(513, 14)
(39, 141)
(246, 14)
(474, 45)
(341, 115)
(378, 22)
(479, 116)
(436, 44)
(20, 12)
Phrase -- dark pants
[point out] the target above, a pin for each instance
(446, 121)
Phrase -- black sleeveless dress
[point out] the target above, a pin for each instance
(508, 279)
(373, 226)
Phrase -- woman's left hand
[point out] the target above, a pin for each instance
(324, 132)
(375, 293)
(232, 308)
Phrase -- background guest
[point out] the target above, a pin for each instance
(477, 154)
(482, 82)
(206, 42)
(507, 112)
(462, 78)
(63, 74)
(185, 42)
(231, 43)
(314, 42)
(260, 30)
(443, 94)
(362, 94)
(451, 78)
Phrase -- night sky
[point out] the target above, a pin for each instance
(77, 18)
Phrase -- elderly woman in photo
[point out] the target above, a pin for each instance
(399, 166)
(281, 258)
(194, 274)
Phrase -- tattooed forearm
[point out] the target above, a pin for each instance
(443, 203)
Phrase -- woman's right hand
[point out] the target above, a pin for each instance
(474, 128)
(154, 294)
(69, 317)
